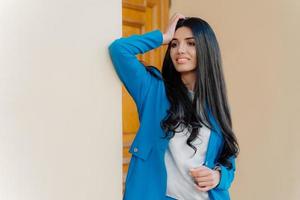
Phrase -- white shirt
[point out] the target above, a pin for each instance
(179, 160)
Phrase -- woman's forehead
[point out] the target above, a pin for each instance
(183, 33)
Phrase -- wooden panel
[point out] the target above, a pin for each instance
(135, 4)
(140, 16)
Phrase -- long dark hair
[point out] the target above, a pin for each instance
(209, 91)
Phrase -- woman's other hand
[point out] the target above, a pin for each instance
(168, 35)
(205, 178)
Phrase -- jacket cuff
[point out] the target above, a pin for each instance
(157, 34)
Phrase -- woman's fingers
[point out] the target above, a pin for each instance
(205, 184)
(173, 21)
(201, 173)
(175, 15)
(203, 189)
(168, 35)
(205, 178)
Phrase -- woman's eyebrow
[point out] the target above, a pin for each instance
(189, 38)
(185, 38)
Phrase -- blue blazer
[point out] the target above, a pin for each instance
(147, 177)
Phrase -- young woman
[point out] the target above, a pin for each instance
(185, 147)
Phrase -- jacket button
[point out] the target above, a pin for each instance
(135, 149)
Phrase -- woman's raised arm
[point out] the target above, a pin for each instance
(130, 70)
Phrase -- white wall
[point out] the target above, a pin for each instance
(60, 100)
(260, 48)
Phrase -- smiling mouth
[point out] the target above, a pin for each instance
(182, 60)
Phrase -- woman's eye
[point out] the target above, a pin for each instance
(191, 43)
(173, 44)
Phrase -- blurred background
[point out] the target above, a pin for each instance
(66, 121)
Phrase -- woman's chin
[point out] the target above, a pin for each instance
(184, 69)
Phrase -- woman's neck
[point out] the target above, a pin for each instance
(189, 79)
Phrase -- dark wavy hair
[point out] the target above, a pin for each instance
(209, 91)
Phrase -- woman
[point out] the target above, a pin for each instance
(185, 147)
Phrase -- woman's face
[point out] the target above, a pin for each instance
(183, 50)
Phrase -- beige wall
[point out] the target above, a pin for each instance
(260, 47)
(60, 100)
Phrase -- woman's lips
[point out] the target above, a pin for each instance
(181, 60)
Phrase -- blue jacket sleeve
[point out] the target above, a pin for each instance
(130, 70)
(227, 175)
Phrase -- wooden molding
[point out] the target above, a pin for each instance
(138, 7)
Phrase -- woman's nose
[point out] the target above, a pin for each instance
(181, 48)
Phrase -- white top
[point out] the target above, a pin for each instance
(179, 160)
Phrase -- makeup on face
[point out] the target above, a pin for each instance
(183, 50)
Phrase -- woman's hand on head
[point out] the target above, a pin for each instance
(205, 178)
(168, 35)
